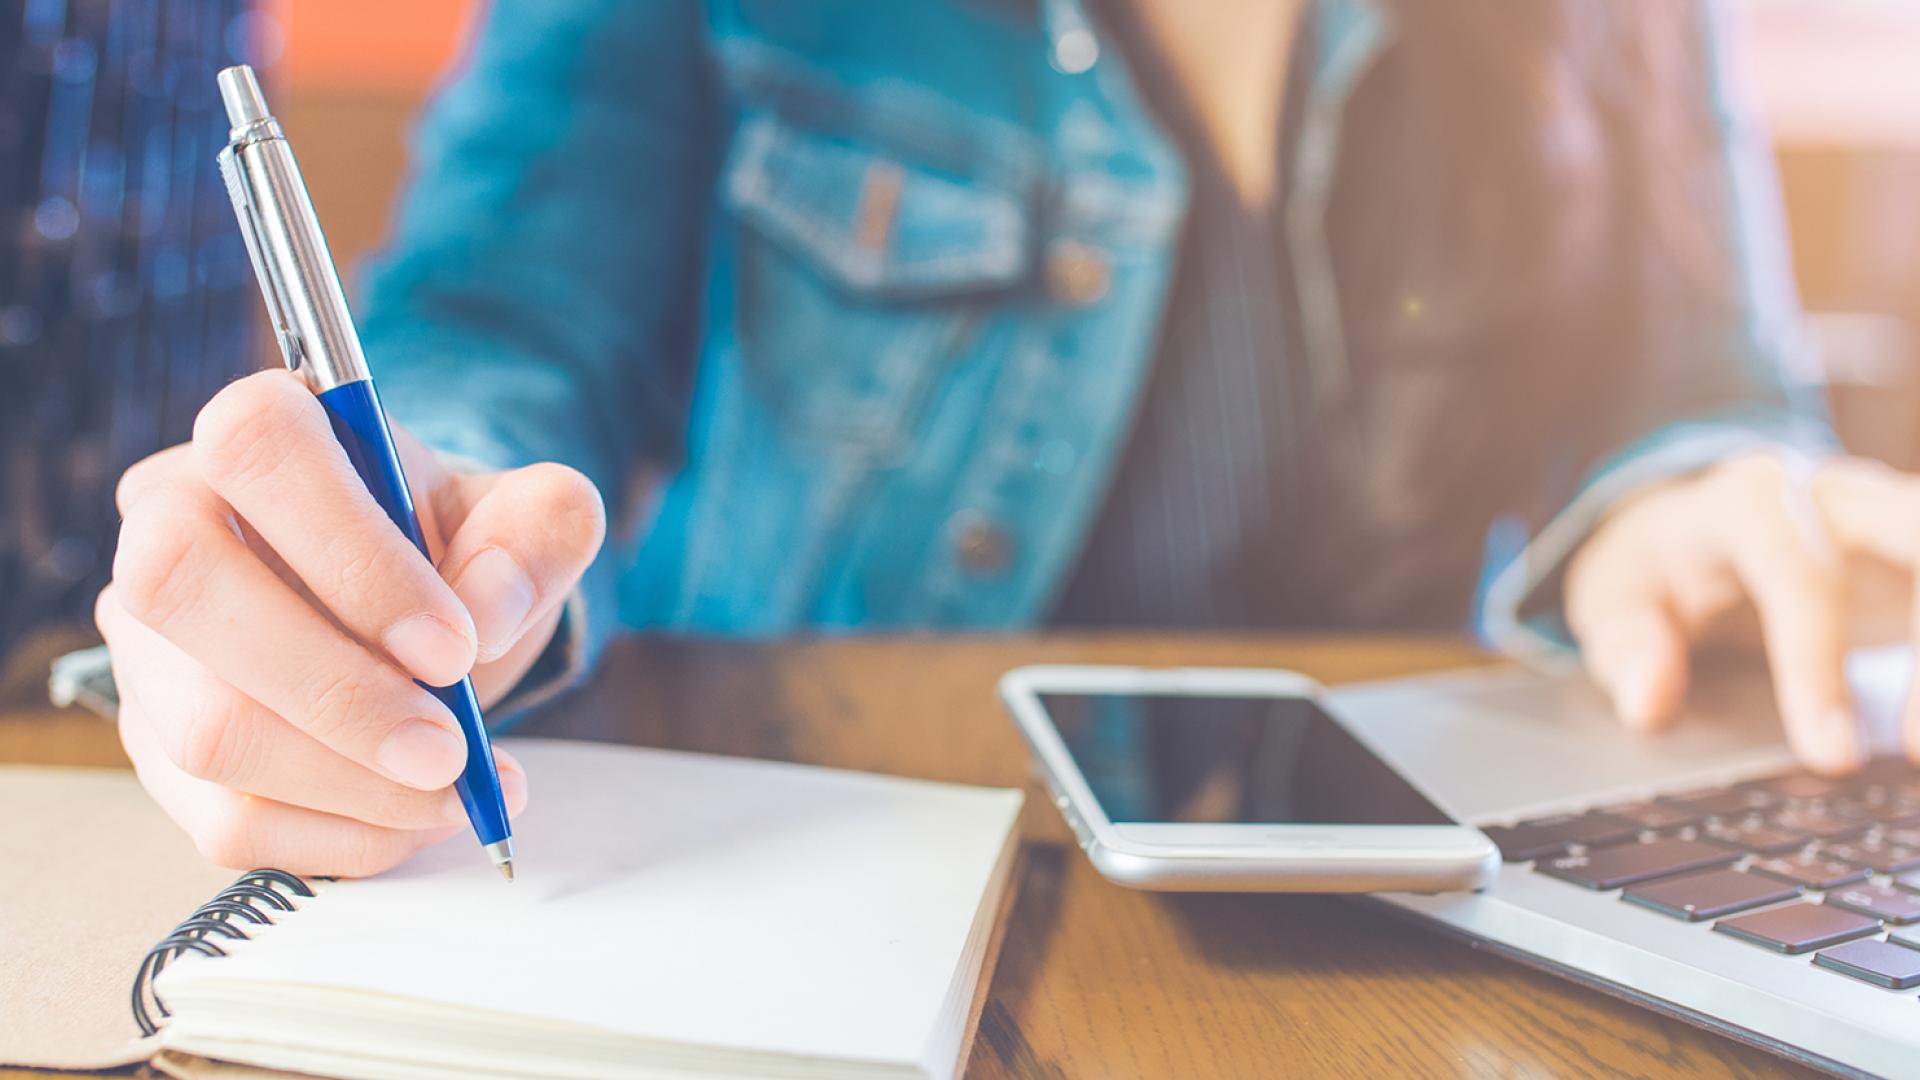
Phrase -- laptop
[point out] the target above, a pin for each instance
(1698, 871)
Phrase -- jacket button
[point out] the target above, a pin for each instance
(1077, 273)
(981, 546)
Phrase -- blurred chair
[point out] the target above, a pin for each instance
(1868, 364)
(1841, 91)
(126, 298)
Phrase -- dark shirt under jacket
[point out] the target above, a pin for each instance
(1208, 504)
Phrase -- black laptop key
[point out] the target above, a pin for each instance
(1900, 810)
(1630, 864)
(1710, 895)
(1879, 805)
(1799, 786)
(1811, 869)
(1875, 854)
(1851, 807)
(1729, 800)
(1896, 906)
(1552, 835)
(1798, 928)
(1909, 881)
(1752, 834)
(1817, 824)
(1656, 816)
(1877, 962)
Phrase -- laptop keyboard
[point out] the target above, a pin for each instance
(1794, 864)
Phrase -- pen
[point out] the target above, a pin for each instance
(309, 314)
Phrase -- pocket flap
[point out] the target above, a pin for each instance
(873, 222)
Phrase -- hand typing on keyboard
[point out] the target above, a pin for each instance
(1801, 560)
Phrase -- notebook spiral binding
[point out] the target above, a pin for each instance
(250, 899)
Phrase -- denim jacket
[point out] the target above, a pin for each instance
(846, 307)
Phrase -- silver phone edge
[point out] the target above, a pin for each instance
(1276, 869)
(1383, 873)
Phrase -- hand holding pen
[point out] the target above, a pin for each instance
(268, 621)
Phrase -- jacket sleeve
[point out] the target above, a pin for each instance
(1718, 386)
(538, 300)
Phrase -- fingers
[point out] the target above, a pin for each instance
(168, 468)
(1633, 608)
(1875, 509)
(243, 831)
(183, 570)
(492, 681)
(1871, 508)
(1670, 565)
(239, 829)
(264, 446)
(1635, 650)
(265, 660)
(211, 732)
(523, 544)
(1798, 588)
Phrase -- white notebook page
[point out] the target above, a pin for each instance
(709, 901)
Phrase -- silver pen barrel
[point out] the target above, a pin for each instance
(311, 321)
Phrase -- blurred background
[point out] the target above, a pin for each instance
(125, 298)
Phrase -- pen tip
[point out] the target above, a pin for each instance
(501, 852)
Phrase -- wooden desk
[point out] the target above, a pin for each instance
(1096, 980)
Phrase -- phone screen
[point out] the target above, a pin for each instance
(1229, 760)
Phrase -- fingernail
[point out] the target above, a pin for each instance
(428, 648)
(499, 595)
(423, 754)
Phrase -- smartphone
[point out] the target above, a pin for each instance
(1198, 779)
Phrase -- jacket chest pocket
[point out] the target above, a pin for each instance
(860, 277)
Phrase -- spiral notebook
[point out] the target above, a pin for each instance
(676, 915)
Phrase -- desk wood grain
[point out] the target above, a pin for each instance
(1096, 980)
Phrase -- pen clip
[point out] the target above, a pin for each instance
(270, 287)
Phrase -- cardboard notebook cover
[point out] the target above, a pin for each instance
(91, 875)
(92, 878)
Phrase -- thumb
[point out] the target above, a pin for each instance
(525, 540)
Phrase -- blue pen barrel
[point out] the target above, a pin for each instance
(361, 426)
